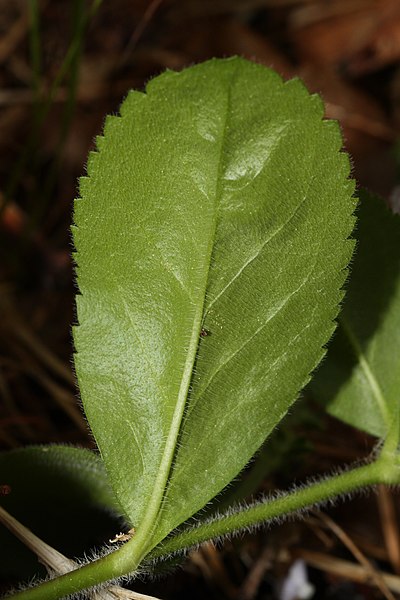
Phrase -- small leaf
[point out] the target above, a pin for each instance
(211, 243)
(360, 379)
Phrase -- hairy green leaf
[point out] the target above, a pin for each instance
(62, 494)
(360, 379)
(59, 471)
(211, 240)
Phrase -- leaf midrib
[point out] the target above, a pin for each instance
(287, 299)
(152, 515)
(367, 370)
(249, 261)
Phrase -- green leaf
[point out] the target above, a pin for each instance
(62, 471)
(360, 379)
(211, 240)
(63, 495)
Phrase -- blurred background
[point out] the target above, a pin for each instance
(65, 64)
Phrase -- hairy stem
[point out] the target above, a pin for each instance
(380, 471)
(111, 566)
(385, 469)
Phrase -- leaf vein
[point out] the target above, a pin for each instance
(130, 425)
(365, 367)
(256, 332)
(170, 270)
(154, 371)
(258, 252)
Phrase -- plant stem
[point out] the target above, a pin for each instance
(121, 562)
(379, 471)
(127, 558)
(391, 445)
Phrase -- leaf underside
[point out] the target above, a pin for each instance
(360, 378)
(211, 238)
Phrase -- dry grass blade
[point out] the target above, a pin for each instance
(251, 584)
(150, 11)
(374, 575)
(129, 594)
(321, 11)
(346, 569)
(389, 526)
(46, 357)
(58, 564)
(15, 35)
(360, 123)
(53, 560)
(207, 560)
(64, 398)
(13, 324)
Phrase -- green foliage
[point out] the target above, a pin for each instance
(360, 380)
(211, 240)
(59, 492)
(212, 244)
(66, 473)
